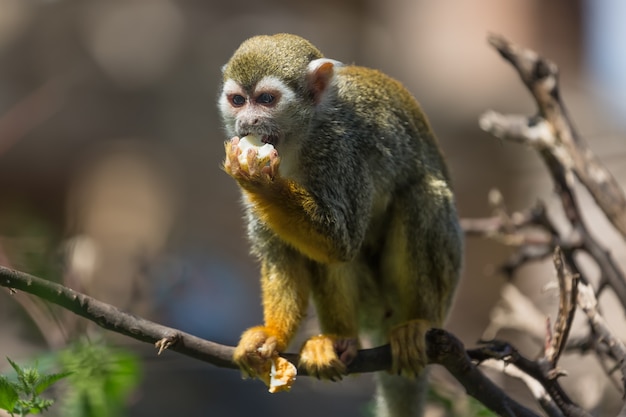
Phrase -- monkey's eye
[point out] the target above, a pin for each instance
(238, 100)
(265, 98)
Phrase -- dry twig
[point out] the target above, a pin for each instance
(567, 157)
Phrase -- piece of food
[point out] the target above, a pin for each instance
(253, 141)
(282, 375)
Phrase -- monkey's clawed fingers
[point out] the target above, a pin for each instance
(250, 168)
(408, 348)
(255, 351)
(231, 163)
(327, 357)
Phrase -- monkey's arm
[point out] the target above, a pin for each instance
(291, 211)
(285, 290)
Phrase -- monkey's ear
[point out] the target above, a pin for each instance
(319, 75)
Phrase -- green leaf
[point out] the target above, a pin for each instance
(8, 394)
(29, 378)
(46, 380)
(38, 405)
(101, 381)
(19, 371)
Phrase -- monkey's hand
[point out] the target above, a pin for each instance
(254, 171)
(328, 357)
(255, 351)
(408, 348)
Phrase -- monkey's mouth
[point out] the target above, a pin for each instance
(271, 139)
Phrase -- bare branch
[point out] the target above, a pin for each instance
(514, 311)
(589, 304)
(539, 392)
(541, 371)
(442, 347)
(568, 295)
(567, 156)
(541, 77)
(111, 318)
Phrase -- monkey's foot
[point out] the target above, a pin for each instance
(328, 357)
(408, 348)
(255, 351)
(250, 169)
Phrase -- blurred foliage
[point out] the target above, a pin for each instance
(98, 381)
(101, 379)
(20, 396)
(455, 405)
(30, 242)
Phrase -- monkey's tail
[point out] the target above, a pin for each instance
(400, 397)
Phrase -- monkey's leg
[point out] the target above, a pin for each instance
(285, 290)
(336, 295)
(420, 266)
(397, 396)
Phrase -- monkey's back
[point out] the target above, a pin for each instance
(413, 227)
(389, 121)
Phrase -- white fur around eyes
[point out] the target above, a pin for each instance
(230, 87)
(267, 84)
(272, 83)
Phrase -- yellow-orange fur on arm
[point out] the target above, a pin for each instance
(287, 208)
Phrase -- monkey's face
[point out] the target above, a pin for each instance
(264, 109)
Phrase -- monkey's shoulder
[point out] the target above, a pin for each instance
(372, 87)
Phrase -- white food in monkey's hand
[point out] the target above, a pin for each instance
(278, 374)
(252, 141)
(282, 375)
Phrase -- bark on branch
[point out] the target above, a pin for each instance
(443, 347)
(567, 157)
(553, 130)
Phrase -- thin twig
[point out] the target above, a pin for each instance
(567, 308)
(589, 304)
(443, 348)
(566, 156)
(541, 77)
(538, 391)
(541, 371)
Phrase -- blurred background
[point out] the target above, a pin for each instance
(110, 147)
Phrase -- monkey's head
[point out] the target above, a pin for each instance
(271, 86)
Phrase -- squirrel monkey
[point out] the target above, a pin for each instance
(352, 207)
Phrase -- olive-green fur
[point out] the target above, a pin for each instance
(360, 216)
(263, 56)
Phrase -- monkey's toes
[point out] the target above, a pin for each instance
(346, 349)
(408, 348)
(327, 357)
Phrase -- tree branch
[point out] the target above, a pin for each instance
(503, 351)
(111, 318)
(541, 77)
(442, 347)
(445, 349)
(566, 156)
